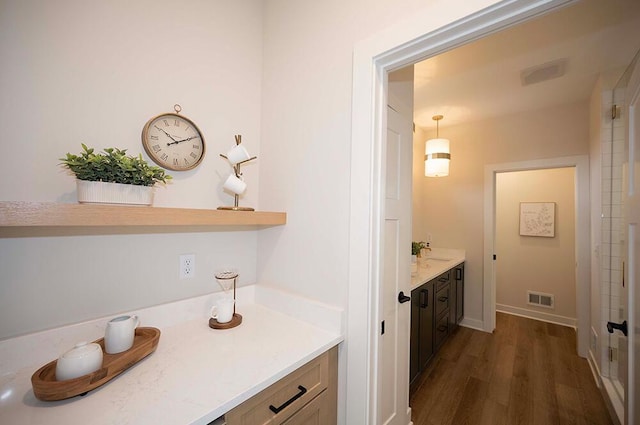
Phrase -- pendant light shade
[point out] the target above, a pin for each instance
(436, 155)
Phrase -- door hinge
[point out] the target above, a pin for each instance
(614, 112)
(613, 354)
(382, 328)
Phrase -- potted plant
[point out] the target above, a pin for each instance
(417, 247)
(113, 177)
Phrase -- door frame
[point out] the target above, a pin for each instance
(441, 26)
(582, 241)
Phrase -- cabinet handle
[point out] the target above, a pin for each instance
(424, 298)
(458, 274)
(442, 328)
(443, 299)
(277, 410)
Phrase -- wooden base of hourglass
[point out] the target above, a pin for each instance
(235, 321)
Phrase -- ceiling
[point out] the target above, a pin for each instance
(481, 80)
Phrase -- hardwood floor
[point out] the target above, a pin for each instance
(527, 372)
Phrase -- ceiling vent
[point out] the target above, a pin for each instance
(544, 72)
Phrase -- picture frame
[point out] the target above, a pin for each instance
(537, 219)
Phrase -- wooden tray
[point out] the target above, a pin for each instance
(46, 388)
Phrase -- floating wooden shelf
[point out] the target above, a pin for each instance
(51, 214)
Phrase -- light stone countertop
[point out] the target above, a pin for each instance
(195, 375)
(435, 262)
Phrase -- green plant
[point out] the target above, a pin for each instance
(416, 247)
(113, 166)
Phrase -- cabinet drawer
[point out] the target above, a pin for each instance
(442, 300)
(441, 330)
(314, 413)
(443, 280)
(277, 403)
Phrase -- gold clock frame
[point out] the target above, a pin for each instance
(146, 143)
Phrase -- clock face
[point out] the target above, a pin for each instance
(173, 142)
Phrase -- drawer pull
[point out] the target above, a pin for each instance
(424, 298)
(277, 410)
(442, 328)
(443, 299)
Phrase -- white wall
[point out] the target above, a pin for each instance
(75, 71)
(541, 264)
(306, 141)
(453, 206)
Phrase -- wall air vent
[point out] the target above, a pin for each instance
(546, 71)
(540, 299)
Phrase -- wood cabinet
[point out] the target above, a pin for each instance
(306, 396)
(437, 307)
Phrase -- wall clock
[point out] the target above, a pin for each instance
(173, 141)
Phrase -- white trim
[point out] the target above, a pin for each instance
(595, 370)
(614, 399)
(583, 259)
(472, 324)
(451, 23)
(537, 315)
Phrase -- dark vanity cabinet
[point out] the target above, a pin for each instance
(437, 307)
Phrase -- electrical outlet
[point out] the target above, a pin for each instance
(187, 266)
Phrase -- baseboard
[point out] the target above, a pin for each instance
(595, 370)
(472, 324)
(537, 315)
(615, 407)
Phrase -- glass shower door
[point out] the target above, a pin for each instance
(614, 242)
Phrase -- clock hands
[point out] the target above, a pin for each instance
(168, 135)
(175, 142)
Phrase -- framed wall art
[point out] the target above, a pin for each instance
(537, 219)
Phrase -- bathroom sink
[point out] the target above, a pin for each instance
(438, 259)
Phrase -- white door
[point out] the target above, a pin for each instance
(393, 364)
(629, 350)
(630, 295)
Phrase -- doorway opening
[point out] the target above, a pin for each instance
(373, 59)
(536, 244)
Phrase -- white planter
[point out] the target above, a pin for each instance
(114, 193)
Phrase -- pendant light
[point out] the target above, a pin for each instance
(437, 156)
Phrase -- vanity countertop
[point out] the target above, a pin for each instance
(196, 374)
(435, 262)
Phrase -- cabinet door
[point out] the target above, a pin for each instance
(459, 279)
(425, 300)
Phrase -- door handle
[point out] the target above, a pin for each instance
(402, 298)
(622, 327)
